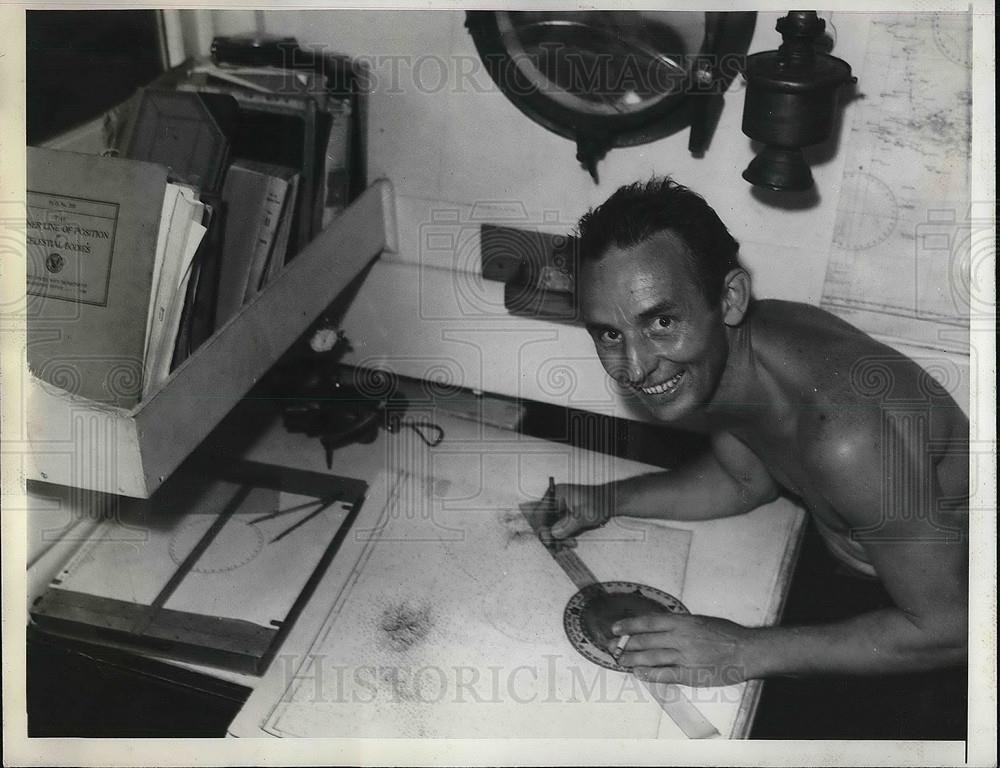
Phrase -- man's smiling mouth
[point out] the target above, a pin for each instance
(667, 386)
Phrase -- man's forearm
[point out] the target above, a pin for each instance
(884, 641)
(698, 491)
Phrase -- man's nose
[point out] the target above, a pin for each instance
(638, 363)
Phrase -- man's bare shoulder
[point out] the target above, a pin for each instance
(858, 402)
(827, 360)
(808, 329)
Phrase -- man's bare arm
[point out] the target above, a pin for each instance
(727, 480)
(918, 547)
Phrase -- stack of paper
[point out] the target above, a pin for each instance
(181, 232)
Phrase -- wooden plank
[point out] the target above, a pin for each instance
(224, 641)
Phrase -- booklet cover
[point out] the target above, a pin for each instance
(91, 231)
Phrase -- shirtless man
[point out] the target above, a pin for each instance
(794, 400)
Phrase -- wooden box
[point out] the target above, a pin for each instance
(84, 444)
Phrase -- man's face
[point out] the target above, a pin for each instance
(653, 327)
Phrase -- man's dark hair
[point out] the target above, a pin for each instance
(637, 211)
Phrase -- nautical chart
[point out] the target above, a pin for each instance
(453, 602)
(904, 232)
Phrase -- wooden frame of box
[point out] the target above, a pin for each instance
(84, 444)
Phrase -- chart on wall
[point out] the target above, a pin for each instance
(907, 240)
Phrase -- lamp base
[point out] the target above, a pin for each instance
(779, 168)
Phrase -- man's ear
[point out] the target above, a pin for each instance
(735, 297)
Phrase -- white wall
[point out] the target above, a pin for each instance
(457, 138)
(459, 153)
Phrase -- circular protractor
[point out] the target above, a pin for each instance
(590, 613)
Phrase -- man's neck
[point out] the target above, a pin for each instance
(747, 394)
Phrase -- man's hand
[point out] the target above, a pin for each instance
(582, 507)
(691, 650)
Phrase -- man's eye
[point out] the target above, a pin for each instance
(610, 337)
(663, 322)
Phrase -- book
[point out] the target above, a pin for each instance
(92, 228)
(278, 255)
(281, 197)
(187, 132)
(254, 193)
(284, 129)
(337, 159)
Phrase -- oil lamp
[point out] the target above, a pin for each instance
(790, 102)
